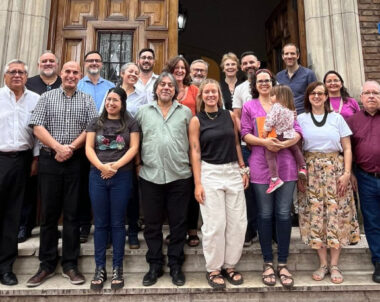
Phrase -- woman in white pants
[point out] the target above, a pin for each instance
(220, 179)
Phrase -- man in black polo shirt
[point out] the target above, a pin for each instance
(48, 79)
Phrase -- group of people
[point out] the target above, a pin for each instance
(179, 143)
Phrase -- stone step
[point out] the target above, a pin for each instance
(357, 287)
(301, 258)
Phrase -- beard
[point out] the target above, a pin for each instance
(146, 67)
(47, 73)
(197, 81)
(93, 71)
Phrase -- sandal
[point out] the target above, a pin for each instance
(117, 278)
(336, 276)
(100, 275)
(192, 240)
(210, 279)
(267, 267)
(283, 277)
(320, 273)
(229, 275)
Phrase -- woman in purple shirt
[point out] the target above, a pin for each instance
(340, 100)
(279, 203)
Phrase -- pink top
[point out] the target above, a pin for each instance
(287, 166)
(282, 119)
(348, 109)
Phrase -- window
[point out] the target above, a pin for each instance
(116, 49)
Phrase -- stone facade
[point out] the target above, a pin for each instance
(369, 17)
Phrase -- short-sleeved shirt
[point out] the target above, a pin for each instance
(325, 139)
(298, 84)
(348, 108)
(111, 145)
(286, 163)
(38, 86)
(97, 91)
(241, 95)
(65, 118)
(148, 87)
(165, 143)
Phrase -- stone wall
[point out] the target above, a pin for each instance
(369, 17)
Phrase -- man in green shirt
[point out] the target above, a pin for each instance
(165, 177)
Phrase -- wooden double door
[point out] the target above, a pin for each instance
(78, 26)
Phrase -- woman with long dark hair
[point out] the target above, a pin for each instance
(111, 145)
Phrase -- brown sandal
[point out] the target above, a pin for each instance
(267, 267)
(320, 273)
(336, 276)
(284, 277)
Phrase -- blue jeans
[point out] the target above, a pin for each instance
(276, 205)
(250, 201)
(109, 198)
(369, 193)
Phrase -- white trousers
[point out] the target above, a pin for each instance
(224, 215)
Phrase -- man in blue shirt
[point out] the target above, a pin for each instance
(93, 84)
(295, 76)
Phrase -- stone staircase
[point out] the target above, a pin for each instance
(355, 263)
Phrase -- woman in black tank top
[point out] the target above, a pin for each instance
(220, 178)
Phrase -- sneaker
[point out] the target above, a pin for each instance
(274, 185)
(40, 277)
(302, 173)
(75, 277)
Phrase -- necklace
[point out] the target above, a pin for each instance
(322, 122)
(340, 106)
(212, 115)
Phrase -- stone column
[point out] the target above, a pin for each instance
(24, 28)
(333, 40)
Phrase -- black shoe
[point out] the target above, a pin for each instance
(178, 277)
(99, 278)
(133, 242)
(84, 232)
(151, 277)
(23, 234)
(376, 273)
(8, 278)
(117, 278)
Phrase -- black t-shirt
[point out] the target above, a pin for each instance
(36, 84)
(217, 138)
(109, 145)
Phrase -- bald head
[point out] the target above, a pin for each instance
(70, 75)
(370, 96)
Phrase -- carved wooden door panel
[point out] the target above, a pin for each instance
(76, 27)
(285, 25)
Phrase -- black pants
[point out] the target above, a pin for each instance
(60, 185)
(29, 208)
(14, 168)
(159, 201)
(193, 212)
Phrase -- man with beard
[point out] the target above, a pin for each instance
(48, 79)
(93, 84)
(249, 64)
(198, 71)
(165, 177)
(295, 76)
(147, 77)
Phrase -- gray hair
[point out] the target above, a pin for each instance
(370, 82)
(15, 61)
(45, 52)
(126, 65)
(159, 80)
(200, 61)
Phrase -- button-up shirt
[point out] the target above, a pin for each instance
(241, 95)
(365, 140)
(64, 117)
(15, 135)
(148, 87)
(98, 91)
(165, 143)
(298, 84)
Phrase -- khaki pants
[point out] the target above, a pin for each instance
(224, 215)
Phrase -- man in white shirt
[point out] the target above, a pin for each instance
(147, 77)
(249, 64)
(16, 160)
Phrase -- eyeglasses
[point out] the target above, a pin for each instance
(163, 84)
(93, 61)
(146, 58)
(261, 82)
(335, 81)
(199, 70)
(373, 93)
(317, 93)
(13, 73)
